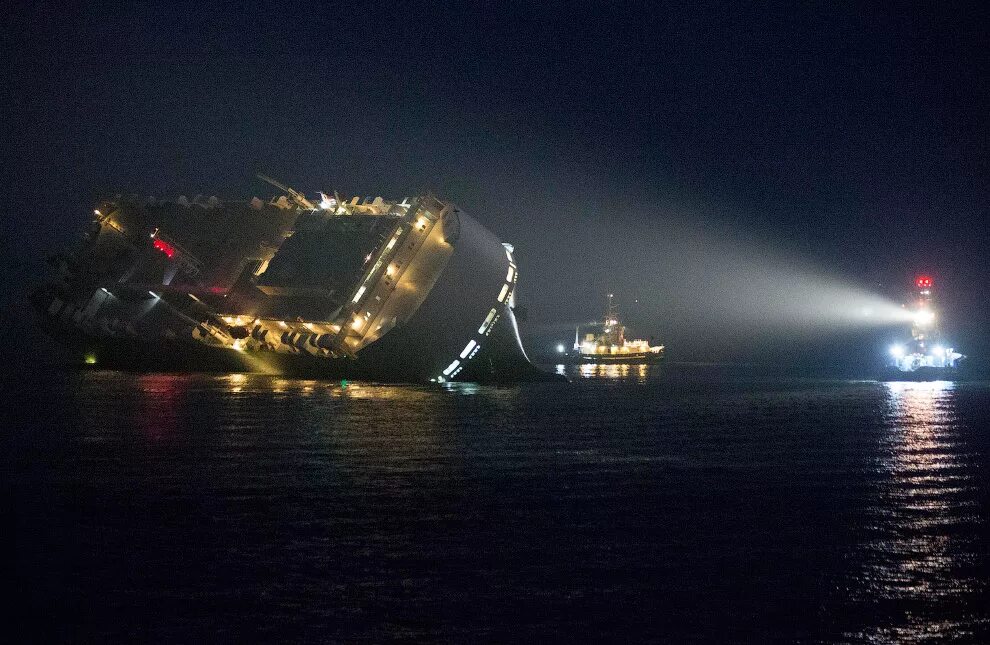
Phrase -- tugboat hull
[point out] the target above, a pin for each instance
(623, 359)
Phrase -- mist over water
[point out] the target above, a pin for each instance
(705, 288)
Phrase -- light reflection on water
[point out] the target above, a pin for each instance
(918, 549)
(691, 508)
(622, 371)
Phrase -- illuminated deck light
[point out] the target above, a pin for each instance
(467, 349)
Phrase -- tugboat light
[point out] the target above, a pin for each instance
(924, 317)
(897, 351)
(560, 349)
(923, 282)
(938, 350)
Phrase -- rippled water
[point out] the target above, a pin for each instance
(628, 505)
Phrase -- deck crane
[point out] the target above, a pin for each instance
(298, 197)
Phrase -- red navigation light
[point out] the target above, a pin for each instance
(165, 247)
(923, 282)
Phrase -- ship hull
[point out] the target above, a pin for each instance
(130, 355)
(925, 374)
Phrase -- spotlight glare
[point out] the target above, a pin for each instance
(924, 317)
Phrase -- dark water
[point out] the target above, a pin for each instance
(626, 506)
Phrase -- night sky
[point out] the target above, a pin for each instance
(691, 158)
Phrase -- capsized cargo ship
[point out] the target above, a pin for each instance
(411, 290)
(926, 356)
(606, 342)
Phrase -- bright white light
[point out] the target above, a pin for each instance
(897, 351)
(560, 349)
(938, 350)
(924, 317)
(327, 203)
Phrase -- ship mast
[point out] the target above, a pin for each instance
(610, 316)
(614, 333)
(925, 324)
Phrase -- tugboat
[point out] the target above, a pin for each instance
(926, 357)
(606, 342)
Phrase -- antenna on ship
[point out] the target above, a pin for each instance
(298, 197)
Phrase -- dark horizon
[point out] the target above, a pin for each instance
(713, 162)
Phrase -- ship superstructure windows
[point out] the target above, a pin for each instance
(489, 319)
(473, 346)
(467, 349)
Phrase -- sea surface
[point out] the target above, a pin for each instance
(633, 504)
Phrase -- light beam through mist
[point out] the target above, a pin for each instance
(699, 283)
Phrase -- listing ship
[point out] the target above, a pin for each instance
(926, 356)
(411, 290)
(606, 342)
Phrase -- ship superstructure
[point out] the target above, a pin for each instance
(394, 290)
(606, 342)
(926, 351)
